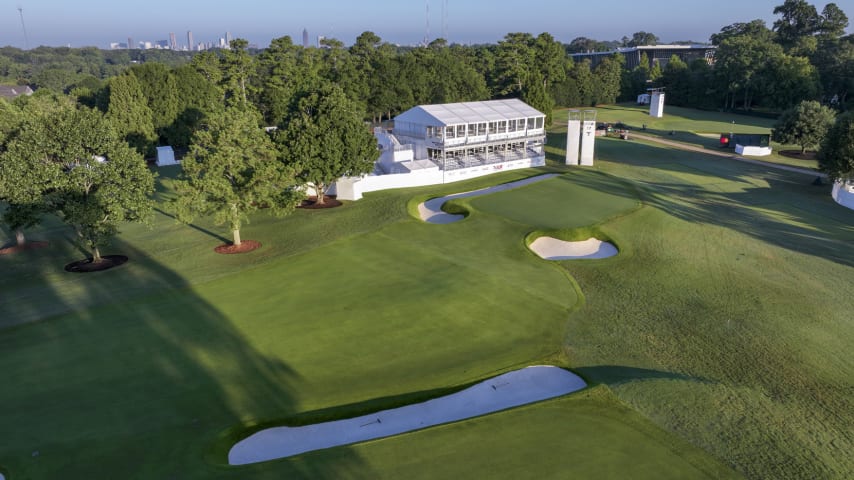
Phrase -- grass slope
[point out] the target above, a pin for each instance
(694, 127)
(145, 371)
(725, 321)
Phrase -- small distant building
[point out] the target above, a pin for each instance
(165, 156)
(10, 92)
(434, 144)
(656, 54)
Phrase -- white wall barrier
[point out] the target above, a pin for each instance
(843, 193)
(353, 188)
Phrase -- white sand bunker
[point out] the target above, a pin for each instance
(512, 389)
(431, 210)
(553, 249)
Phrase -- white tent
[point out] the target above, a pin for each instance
(165, 156)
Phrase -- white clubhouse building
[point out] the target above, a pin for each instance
(434, 144)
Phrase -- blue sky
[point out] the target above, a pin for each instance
(99, 22)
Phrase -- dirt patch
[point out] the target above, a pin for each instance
(808, 155)
(23, 248)
(329, 201)
(87, 266)
(245, 246)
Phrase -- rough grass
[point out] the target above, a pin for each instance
(728, 325)
(152, 369)
(694, 127)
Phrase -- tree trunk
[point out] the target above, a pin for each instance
(96, 255)
(319, 190)
(236, 234)
(20, 239)
(803, 149)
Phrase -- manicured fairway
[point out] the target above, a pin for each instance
(563, 202)
(694, 127)
(723, 340)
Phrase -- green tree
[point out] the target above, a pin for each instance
(237, 67)
(231, 171)
(798, 19)
(790, 80)
(806, 125)
(536, 96)
(836, 155)
(514, 61)
(642, 38)
(130, 115)
(676, 79)
(608, 78)
(325, 139)
(72, 163)
(161, 91)
(741, 64)
(832, 22)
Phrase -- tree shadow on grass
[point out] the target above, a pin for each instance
(618, 374)
(195, 227)
(137, 388)
(778, 207)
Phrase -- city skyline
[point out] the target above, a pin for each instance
(100, 23)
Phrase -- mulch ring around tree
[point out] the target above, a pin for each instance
(245, 246)
(22, 248)
(808, 155)
(329, 201)
(87, 266)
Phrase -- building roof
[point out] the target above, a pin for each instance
(468, 112)
(644, 48)
(12, 91)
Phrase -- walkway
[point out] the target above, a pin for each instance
(692, 148)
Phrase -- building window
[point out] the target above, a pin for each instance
(481, 129)
(461, 131)
(449, 132)
(531, 123)
(472, 129)
(512, 125)
(540, 122)
(502, 126)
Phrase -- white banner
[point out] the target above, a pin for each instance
(588, 136)
(573, 139)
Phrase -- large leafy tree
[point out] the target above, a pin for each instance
(325, 138)
(130, 115)
(641, 38)
(798, 20)
(608, 79)
(806, 125)
(232, 171)
(836, 156)
(161, 91)
(72, 163)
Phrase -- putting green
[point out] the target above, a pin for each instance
(577, 199)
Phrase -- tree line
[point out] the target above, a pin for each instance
(317, 101)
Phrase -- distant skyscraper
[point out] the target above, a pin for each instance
(173, 43)
(190, 45)
(304, 38)
(227, 39)
(130, 43)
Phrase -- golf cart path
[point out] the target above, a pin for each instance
(512, 389)
(692, 148)
(431, 210)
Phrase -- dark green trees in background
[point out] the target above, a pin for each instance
(129, 113)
